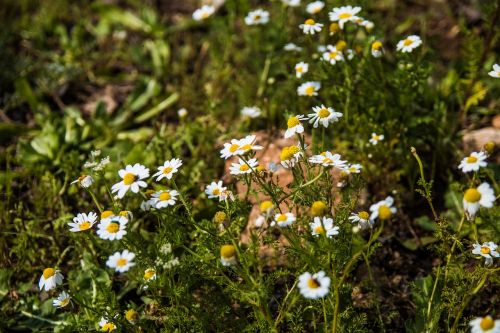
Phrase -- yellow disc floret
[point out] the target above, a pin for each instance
(309, 22)
(377, 45)
(167, 170)
(105, 214)
(293, 121)
(113, 227)
(313, 283)
(344, 16)
(363, 215)
(323, 113)
(334, 27)
(487, 323)
(282, 218)
(288, 152)
(220, 217)
(265, 206)
(85, 225)
(164, 196)
(485, 250)
(341, 44)
(129, 178)
(384, 212)
(132, 316)
(121, 262)
(318, 208)
(149, 273)
(472, 195)
(227, 251)
(48, 272)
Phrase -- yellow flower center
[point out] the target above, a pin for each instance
(334, 27)
(313, 283)
(64, 302)
(309, 22)
(407, 42)
(323, 113)
(215, 191)
(288, 152)
(376, 45)
(265, 206)
(129, 178)
(299, 69)
(327, 160)
(376, 137)
(244, 167)
(164, 196)
(227, 251)
(234, 147)
(149, 273)
(309, 91)
(281, 218)
(121, 262)
(472, 195)
(205, 15)
(319, 229)
(82, 177)
(293, 121)
(333, 54)
(167, 170)
(106, 214)
(487, 323)
(471, 159)
(316, 10)
(48, 272)
(113, 227)
(257, 17)
(220, 217)
(344, 16)
(123, 213)
(131, 315)
(485, 250)
(318, 208)
(246, 147)
(84, 226)
(363, 215)
(341, 45)
(108, 327)
(384, 212)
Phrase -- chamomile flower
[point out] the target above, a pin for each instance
(112, 228)
(258, 16)
(121, 262)
(106, 326)
(251, 112)
(294, 126)
(323, 226)
(82, 222)
(228, 255)
(266, 208)
(310, 27)
(377, 49)
(243, 167)
(300, 69)
(182, 113)
(315, 7)
(473, 162)
(283, 220)
(474, 198)
(62, 300)
(150, 274)
(323, 115)
(292, 47)
(495, 72)
(168, 169)
(309, 88)
(84, 181)
(332, 55)
(344, 14)
(409, 44)
(215, 190)
(50, 279)
(327, 159)
(383, 209)
(291, 3)
(131, 179)
(314, 286)
(107, 214)
(132, 316)
(485, 325)
(352, 168)
(369, 25)
(488, 250)
(164, 198)
(362, 218)
(203, 13)
(318, 208)
(290, 155)
(376, 138)
(239, 147)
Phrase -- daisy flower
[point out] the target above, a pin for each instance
(150, 274)
(332, 55)
(362, 218)
(495, 72)
(487, 250)
(377, 49)
(300, 69)
(214, 190)
(474, 198)
(106, 326)
(352, 168)
(473, 162)
(318, 208)
(62, 300)
(203, 13)
(383, 209)
(228, 255)
(315, 7)
(168, 169)
(266, 208)
(257, 16)
(121, 262)
(107, 214)
(112, 228)
(132, 316)
(243, 167)
(369, 25)
(251, 112)
(344, 14)
(291, 3)
(283, 220)
(292, 47)
(294, 126)
(164, 198)
(290, 155)
(84, 181)
(409, 43)
(327, 159)
(376, 138)
(314, 286)
(324, 226)
(131, 179)
(83, 222)
(50, 279)
(239, 147)
(310, 27)
(485, 325)
(309, 88)
(323, 115)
